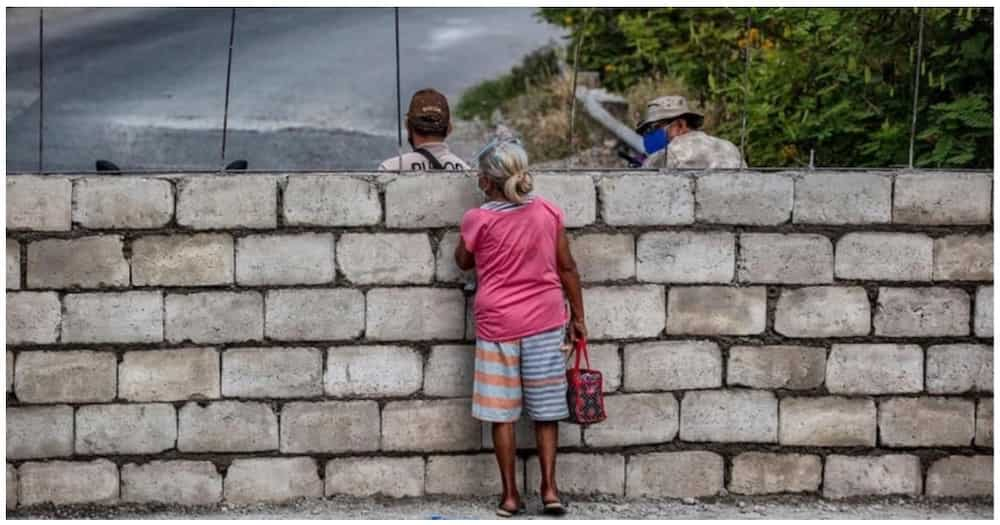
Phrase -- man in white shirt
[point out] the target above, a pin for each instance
(428, 123)
(671, 134)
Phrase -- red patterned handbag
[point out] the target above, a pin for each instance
(585, 392)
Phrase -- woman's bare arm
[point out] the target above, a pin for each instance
(463, 258)
(570, 279)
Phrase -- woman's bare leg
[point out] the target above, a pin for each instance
(506, 451)
(547, 437)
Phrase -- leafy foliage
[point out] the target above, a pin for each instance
(839, 81)
(536, 68)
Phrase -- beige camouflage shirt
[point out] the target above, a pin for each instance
(697, 150)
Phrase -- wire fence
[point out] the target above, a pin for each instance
(180, 141)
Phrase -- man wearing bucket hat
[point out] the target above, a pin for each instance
(428, 123)
(672, 138)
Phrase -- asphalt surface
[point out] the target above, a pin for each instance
(310, 88)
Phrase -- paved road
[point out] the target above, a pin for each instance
(310, 87)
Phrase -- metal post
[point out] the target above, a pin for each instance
(229, 69)
(41, 88)
(399, 100)
(916, 86)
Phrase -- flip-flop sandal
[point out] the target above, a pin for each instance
(504, 513)
(554, 508)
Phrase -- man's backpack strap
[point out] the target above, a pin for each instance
(435, 164)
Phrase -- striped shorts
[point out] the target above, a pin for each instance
(531, 368)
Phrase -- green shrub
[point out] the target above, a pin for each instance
(839, 81)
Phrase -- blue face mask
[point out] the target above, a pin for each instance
(655, 140)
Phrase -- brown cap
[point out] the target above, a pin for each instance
(429, 113)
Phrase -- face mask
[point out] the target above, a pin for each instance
(655, 140)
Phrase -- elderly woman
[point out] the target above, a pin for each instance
(517, 244)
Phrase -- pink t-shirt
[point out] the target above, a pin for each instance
(519, 292)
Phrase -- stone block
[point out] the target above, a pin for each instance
(172, 482)
(365, 477)
(926, 422)
(373, 371)
(272, 372)
(122, 202)
(716, 310)
(692, 474)
(13, 279)
(956, 258)
(68, 482)
(984, 423)
(449, 371)
(672, 365)
(429, 201)
(10, 371)
(227, 426)
(524, 434)
(67, 376)
(312, 314)
(385, 258)
(922, 312)
(772, 367)
(744, 198)
(125, 317)
(40, 203)
(39, 432)
(983, 326)
(960, 477)
(686, 257)
(329, 427)
(797, 258)
(574, 194)
(827, 422)
(635, 419)
(765, 473)
(183, 260)
(402, 314)
(272, 480)
(644, 200)
(729, 416)
(206, 202)
(330, 200)
(603, 256)
(446, 271)
(169, 375)
(624, 311)
(959, 368)
(852, 476)
(33, 317)
(823, 311)
(465, 475)
(885, 256)
(942, 198)
(263, 259)
(875, 369)
(843, 198)
(125, 429)
(430, 425)
(582, 474)
(214, 317)
(11, 487)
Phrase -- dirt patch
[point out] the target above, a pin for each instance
(781, 507)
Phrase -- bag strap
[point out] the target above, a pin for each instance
(581, 348)
(436, 164)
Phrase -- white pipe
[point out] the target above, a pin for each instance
(591, 99)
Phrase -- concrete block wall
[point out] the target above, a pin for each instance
(262, 337)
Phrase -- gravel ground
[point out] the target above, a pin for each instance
(785, 507)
